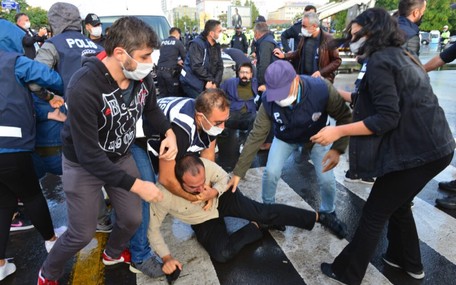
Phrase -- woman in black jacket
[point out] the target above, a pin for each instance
(399, 134)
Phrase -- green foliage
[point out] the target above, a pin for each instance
(438, 14)
(185, 23)
(340, 20)
(254, 9)
(388, 4)
(38, 16)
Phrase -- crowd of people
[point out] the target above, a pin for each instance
(92, 115)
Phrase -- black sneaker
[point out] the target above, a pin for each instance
(20, 223)
(350, 178)
(336, 226)
(417, 275)
(327, 270)
(449, 186)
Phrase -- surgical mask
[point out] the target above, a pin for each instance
(291, 97)
(216, 40)
(306, 33)
(96, 31)
(213, 131)
(287, 101)
(356, 46)
(27, 25)
(141, 71)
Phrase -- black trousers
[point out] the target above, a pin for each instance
(222, 247)
(389, 201)
(19, 181)
(168, 84)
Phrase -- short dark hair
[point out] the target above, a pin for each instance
(406, 7)
(130, 33)
(246, 64)
(188, 163)
(173, 29)
(310, 7)
(210, 26)
(18, 15)
(210, 99)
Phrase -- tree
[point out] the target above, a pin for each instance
(38, 16)
(185, 23)
(388, 4)
(438, 14)
(253, 8)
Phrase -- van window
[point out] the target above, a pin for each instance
(158, 23)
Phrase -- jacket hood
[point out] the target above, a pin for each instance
(11, 37)
(64, 16)
(100, 71)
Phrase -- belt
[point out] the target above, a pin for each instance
(48, 150)
(164, 68)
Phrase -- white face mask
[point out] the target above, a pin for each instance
(355, 46)
(306, 33)
(27, 25)
(213, 131)
(287, 101)
(141, 71)
(291, 97)
(96, 31)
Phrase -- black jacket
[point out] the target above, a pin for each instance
(28, 42)
(293, 32)
(396, 102)
(101, 127)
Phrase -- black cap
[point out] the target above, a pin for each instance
(260, 19)
(238, 27)
(92, 19)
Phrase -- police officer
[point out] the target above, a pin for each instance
(239, 40)
(172, 53)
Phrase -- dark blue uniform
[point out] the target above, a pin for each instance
(168, 70)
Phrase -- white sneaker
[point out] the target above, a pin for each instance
(7, 269)
(50, 243)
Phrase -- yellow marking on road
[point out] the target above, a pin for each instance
(88, 268)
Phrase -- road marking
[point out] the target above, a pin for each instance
(88, 268)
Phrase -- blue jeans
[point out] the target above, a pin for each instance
(139, 244)
(279, 153)
(45, 164)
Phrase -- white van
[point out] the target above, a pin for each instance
(435, 36)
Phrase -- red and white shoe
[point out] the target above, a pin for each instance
(125, 257)
(45, 281)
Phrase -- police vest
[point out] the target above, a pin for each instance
(181, 112)
(17, 121)
(71, 47)
(298, 123)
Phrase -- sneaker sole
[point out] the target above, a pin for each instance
(23, 228)
(417, 276)
(104, 231)
(134, 270)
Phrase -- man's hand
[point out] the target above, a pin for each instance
(170, 264)
(147, 191)
(316, 74)
(56, 102)
(207, 194)
(168, 147)
(56, 115)
(330, 160)
(278, 53)
(262, 88)
(210, 85)
(234, 181)
(326, 136)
